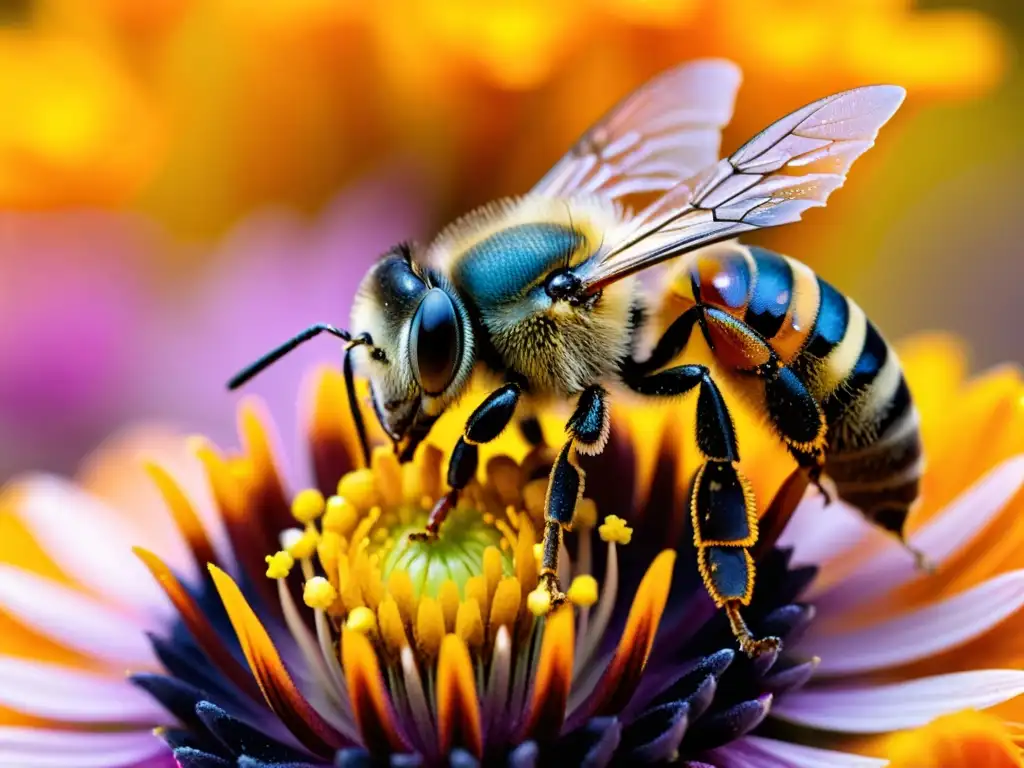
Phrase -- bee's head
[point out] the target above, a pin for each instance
(422, 351)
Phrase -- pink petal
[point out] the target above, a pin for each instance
(62, 694)
(938, 539)
(43, 748)
(74, 620)
(759, 752)
(917, 634)
(819, 533)
(90, 541)
(894, 706)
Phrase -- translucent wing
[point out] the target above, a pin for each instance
(661, 134)
(789, 167)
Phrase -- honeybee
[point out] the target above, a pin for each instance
(542, 291)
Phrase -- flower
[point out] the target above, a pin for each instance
(321, 634)
(239, 106)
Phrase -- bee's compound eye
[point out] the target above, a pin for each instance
(435, 342)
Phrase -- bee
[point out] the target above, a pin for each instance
(542, 292)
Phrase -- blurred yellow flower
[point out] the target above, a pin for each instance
(199, 111)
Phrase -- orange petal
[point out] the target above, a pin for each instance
(371, 703)
(964, 740)
(276, 684)
(197, 623)
(244, 531)
(266, 496)
(554, 677)
(333, 440)
(184, 514)
(627, 665)
(458, 711)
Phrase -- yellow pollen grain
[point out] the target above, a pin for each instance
(401, 589)
(614, 529)
(388, 474)
(308, 505)
(430, 628)
(318, 593)
(476, 589)
(583, 591)
(361, 619)
(359, 487)
(392, 631)
(340, 516)
(487, 518)
(586, 514)
(279, 565)
(469, 625)
(301, 544)
(505, 606)
(448, 597)
(492, 570)
(539, 602)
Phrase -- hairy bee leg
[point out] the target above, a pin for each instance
(486, 422)
(721, 505)
(672, 342)
(588, 432)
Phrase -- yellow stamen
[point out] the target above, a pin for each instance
(391, 629)
(340, 516)
(361, 620)
(538, 554)
(401, 589)
(469, 625)
(388, 474)
(301, 544)
(586, 514)
(505, 605)
(492, 568)
(308, 505)
(448, 597)
(539, 602)
(583, 591)
(279, 565)
(476, 589)
(429, 627)
(318, 593)
(348, 586)
(329, 552)
(614, 529)
(359, 487)
(525, 562)
(363, 529)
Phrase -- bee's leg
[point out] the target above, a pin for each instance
(721, 504)
(588, 433)
(485, 423)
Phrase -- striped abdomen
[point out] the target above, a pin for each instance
(874, 447)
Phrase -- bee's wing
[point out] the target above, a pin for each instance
(659, 135)
(791, 166)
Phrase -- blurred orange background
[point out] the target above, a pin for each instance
(184, 183)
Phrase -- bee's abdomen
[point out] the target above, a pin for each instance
(874, 454)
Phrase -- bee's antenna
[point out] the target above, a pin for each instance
(315, 330)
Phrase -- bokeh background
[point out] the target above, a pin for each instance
(186, 182)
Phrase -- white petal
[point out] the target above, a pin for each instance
(894, 706)
(917, 634)
(940, 538)
(90, 542)
(74, 620)
(43, 748)
(819, 533)
(59, 693)
(760, 752)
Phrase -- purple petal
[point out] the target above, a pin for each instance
(74, 620)
(43, 748)
(92, 543)
(760, 752)
(940, 538)
(58, 693)
(917, 634)
(894, 706)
